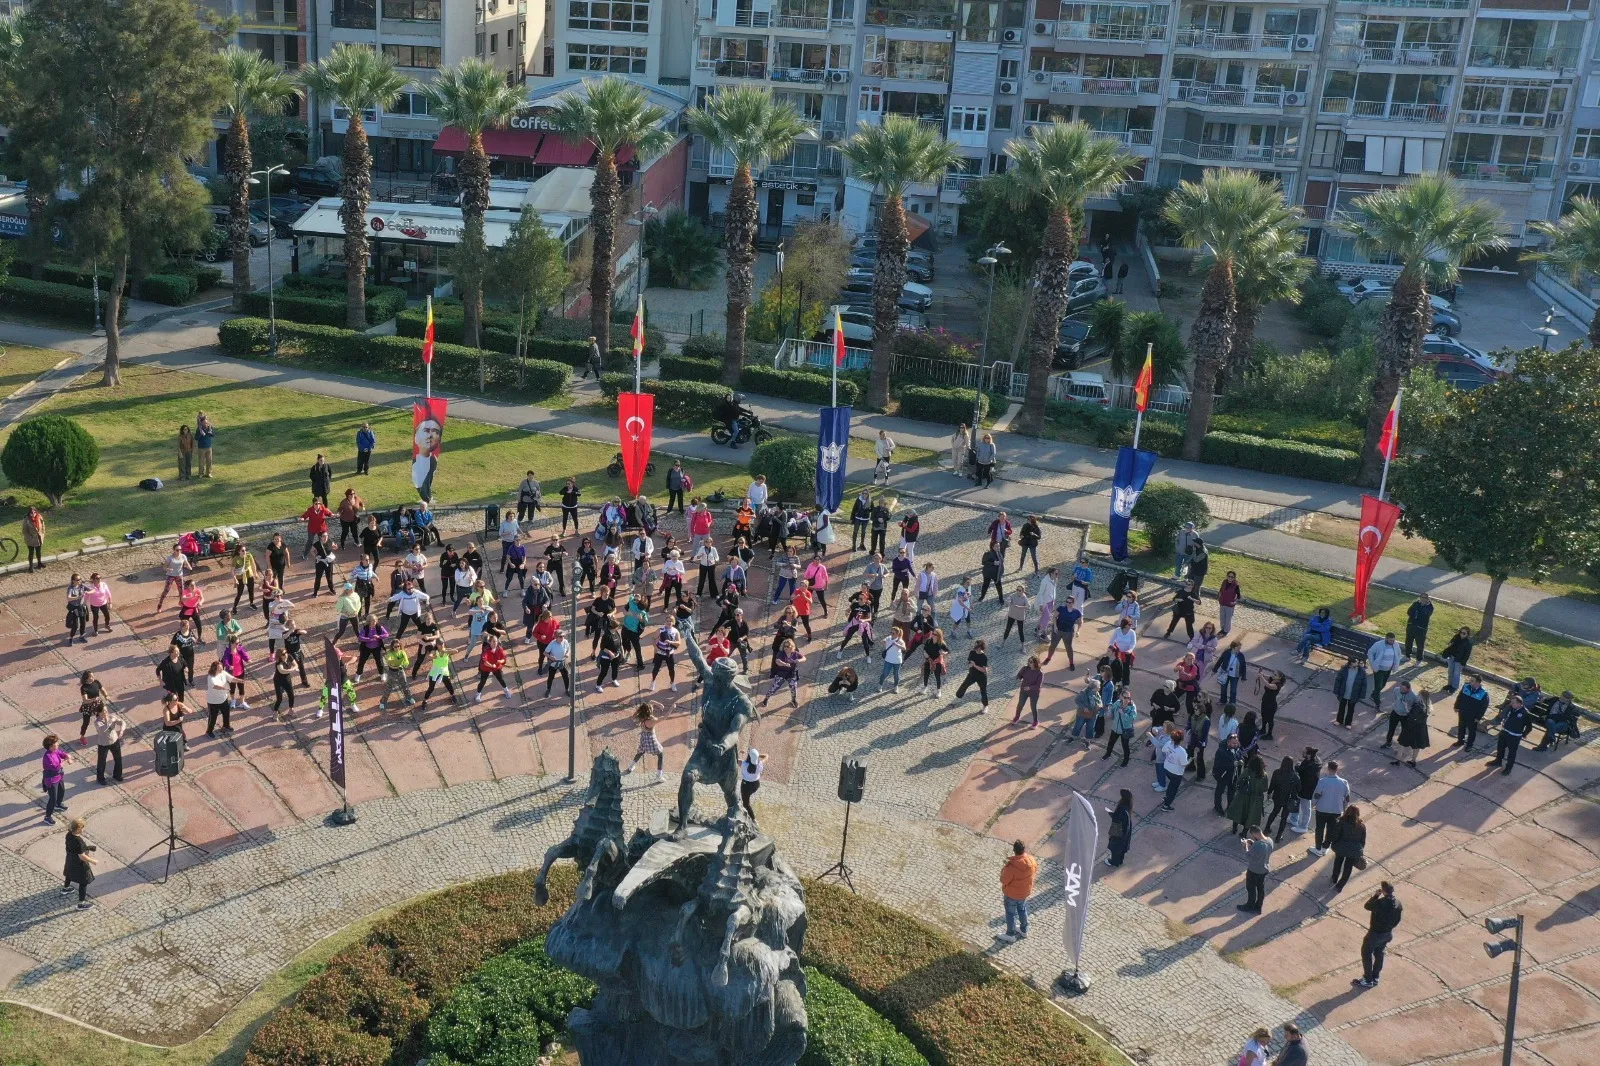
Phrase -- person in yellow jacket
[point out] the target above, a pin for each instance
(396, 662)
(347, 691)
(439, 672)
(1016, 883)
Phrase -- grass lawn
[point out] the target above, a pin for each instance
(266, 441)
(20, 364)
(290, 359)
(28, 1038)
(1515, 650)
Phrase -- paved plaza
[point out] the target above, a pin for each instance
(458, 793)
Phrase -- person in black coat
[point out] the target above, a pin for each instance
(1350, 688)
(1472, 703)
(1164, 703)
(1349, 843)
(1284, 791)
(1456, 653)
(1182, 611)
(1386, 912)
(993, 568)
(1121, 835)
(1418, 615)
(1224, 771)
(79, 868)
(1310, 769)
(321, 480)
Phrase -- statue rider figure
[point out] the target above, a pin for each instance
(725, 709)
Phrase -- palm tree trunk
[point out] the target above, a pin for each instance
(1244, 341)
(1053, 290)
(474, 175)
(238, 170)
(603, 199)
(113, 365)
(739, 237)
(356, 190)
(1210, 341)
(1405, 322)
(893, 241)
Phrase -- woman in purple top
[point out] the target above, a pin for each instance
(786, 671)
(54, 780)
(901, 568)
(372, 636)
(1029, 681)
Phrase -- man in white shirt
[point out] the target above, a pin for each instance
(757, 493)
(883, 449)
(411, 600)
(1383, 657)
(1328, 801)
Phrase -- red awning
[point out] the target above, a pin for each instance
(557, 151)
(504, 144)
(624, 154)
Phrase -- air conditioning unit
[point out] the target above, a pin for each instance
(830, 135)
(1294, 99)
(1040, 77)
(1011, 36)
(1030, 130)
(1577, 166)
(839, 76)
(1042, 29)
(1007, 88)
(1305, 42)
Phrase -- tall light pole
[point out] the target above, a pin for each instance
(990, 260)
(1547, 330)
(272, 282)
(1500, 925)
(782, 318)
(572, 681)
(646, 212)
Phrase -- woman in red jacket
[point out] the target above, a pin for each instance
(492, 663)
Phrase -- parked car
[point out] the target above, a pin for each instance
(913, 296)
(857, 334)
(1076, 343)
(286, 211)
(1381, 289)
(913, 321)
(1461, 365)
(219, 220)
(1446, 323)
(1084, 387)
(312, 180)
(1081, 269)
(917, 269)
(1085, 294)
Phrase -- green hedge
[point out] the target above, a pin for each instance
(684, 404)
(64, 274)
(682, 368)
(790, 466)
(710, 346)
(950, 407)
(1282, 425)
(507, 1011)
(316, 305)
(1280, 457)
(173, 290)
(841, 1030)
(413, 322)
(48, 299)
(800, 385)
(454, 367)
(1163, 508)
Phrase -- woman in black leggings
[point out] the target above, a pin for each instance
(977, 674)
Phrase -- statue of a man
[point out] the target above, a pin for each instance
(725, 708)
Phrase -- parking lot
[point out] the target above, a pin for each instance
(1499, 311)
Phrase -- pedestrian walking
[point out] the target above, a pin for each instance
(1328, 801)
(1120, 717)
(984, 455)
(675, 485)
(185, 453)
(1294, 1048)
(1456, 653)
(1225, 773)
(1414, 735)
(1228, 596)
(1310, 770)
(173, 567)
(1124, 641)
(1258, 863)
(1283, 789)
(1349, 688)
(1186, 537)
(1384, 658)
(1064, 627)
(960, 450)
(1268, 686)
(366, 444)
(1385, 913)
(1348, 841)
(1513, 728)
(750, 768)
(883, 450)
(79, 867)
(1016, 886)
(33, 538)
(1017, 605)
(1472, 703)
(1250, 795)
(977, 674)
(1255, 1049)
(1174, 760)
(1122, 276)
(1120, 838)
(1418, 616)
(321, 477)
(1405, 702)
(53, 779)
(596, 363)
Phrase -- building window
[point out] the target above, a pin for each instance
(606, 58)
(616, 17)
(412, 10)
(734, 57)
(805, 199)
(412, 104)
(355, 14)
(413, 55)
(1586, 145)
(1003, 116)
(342, 114)
(969, 119)
(494, 43)
(1009, 68)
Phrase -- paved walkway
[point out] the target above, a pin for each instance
(459, 792)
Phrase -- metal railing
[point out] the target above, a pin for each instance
(734, 68)
(1514, 58)
(812, 75)
(1444, 5)
(1212, 41)
(1242, 153)
(817, 23)
(1107, 31)
(1232, 95)
(752, 19)
(906, 70)
(959, 182)
(1515, 173)
(1344, 105)
(1129, 138)
(1420, 56)
(1514, 119)
(910, 18)
(794, 352)
(1073, 83)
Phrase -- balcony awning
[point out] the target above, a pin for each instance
(557, 151)
(917, 227)
(501, 144)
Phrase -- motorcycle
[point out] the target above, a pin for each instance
(749, 426)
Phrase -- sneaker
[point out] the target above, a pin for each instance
(1363, 982)
(49, 820)
(938, 693)
(983, 709)
(1166, 806)
(243, 706)
(1156, 788)
(66, 890)
(1009, 938)
(478, 698)
(1317, 852)
(85, 905)
(661, 775)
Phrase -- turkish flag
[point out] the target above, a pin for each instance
(1389, 439)
(636, 415)
(1377, 523)
(427, 336)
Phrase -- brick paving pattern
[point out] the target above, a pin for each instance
(461, 792)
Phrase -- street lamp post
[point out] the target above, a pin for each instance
(272, 282)
(782, 318)
(1546, 331)
(990, 260)
(99, 329)
(1500, 925)
(646, 212)
(572, 680)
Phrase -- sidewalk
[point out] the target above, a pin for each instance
(1062, 479)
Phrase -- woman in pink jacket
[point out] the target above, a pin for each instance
(816, 572)
(234, 660)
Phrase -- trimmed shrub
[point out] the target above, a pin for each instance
(49, 299)
(1292, 458)
(508, 1010)
(65, 274)
(951, 407)
(843, 1031)
(802, 385)
(1162, 437)
(685, 404)
(557, 327)
(51, 454)
(317, 305)
(706, 346)
(790, 464)
(681, 368)
(173, 290)
(1163, 508)
(1284, 425)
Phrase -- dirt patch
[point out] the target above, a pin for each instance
(1180, 300)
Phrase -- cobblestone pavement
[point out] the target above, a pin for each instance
(459, 792)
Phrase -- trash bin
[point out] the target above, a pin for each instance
(491, 520)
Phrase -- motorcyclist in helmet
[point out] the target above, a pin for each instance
(731, 412)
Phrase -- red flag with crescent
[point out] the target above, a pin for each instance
(1378, 518)
(1389, 439)
(636, 415)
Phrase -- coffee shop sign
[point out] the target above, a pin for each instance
(406, 226)
(533, 120)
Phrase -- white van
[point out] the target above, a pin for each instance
(1083, 387)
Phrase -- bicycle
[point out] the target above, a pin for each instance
(9, 550)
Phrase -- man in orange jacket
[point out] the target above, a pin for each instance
(1016, 882)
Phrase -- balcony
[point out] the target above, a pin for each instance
(812, 75)
(1510, 58)
(1378, 109)
(1513, 119)
(1234, 96)
(954, 190)
(907, 70)
(1133, 140)
(1264, 154)
(758, 20)
(1436, 5)
(1426, 56)
(911, 18)
(734, 68)
(1209, 41)
(1128, 33)
(1513, 173)
(1068, 84)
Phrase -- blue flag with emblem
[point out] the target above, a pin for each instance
(1133, 469)
(833, 447)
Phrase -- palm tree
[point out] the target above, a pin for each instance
(255, 85)
(899, 152)
(472, 96)
(1231, 213)
(746, 123)
(611, 112)
(1430, 227)
(357, 79)
(1061, 165)
(1272, 270)
(1574, 246)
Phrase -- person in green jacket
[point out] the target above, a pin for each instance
(1250, 797)
(347, 691)
(439, 673)
(396, 661)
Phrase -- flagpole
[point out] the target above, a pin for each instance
(1383, 482)
(427, 365)
(835, 400)
(638, 342)
(1138, 418)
